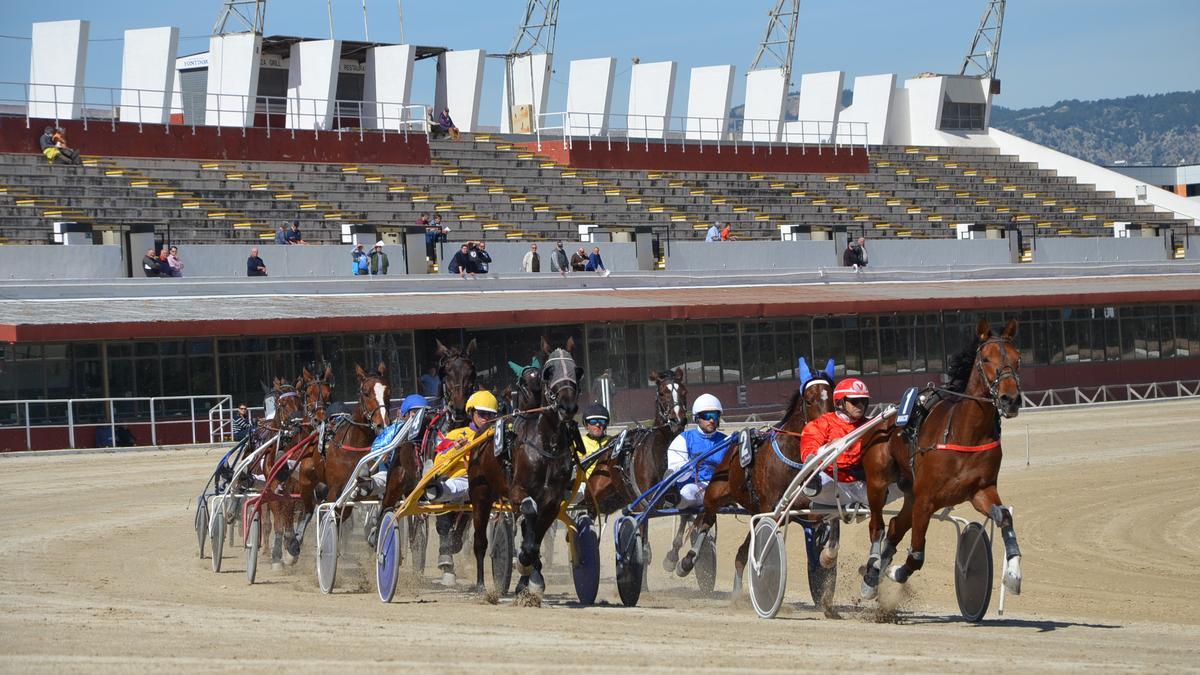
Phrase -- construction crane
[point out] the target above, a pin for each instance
(779, 43)
(985, 48)
(535, 35)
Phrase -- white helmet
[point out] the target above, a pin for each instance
(705, 403)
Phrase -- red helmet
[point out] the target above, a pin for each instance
(851, 387)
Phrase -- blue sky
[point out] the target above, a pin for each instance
(1051, 49)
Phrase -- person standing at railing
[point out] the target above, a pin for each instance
(174, 262)
(241, 423)
(579, 260)
(558, 260)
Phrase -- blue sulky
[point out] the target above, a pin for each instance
(629, 529)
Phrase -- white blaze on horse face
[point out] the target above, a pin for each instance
(674, 389)
(379, 399)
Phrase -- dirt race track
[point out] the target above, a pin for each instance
(100, 573)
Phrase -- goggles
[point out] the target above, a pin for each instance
(709, 416)
(597, 421)
(858, 402)
(487, 414)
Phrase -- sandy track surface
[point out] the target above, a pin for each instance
(100, 573)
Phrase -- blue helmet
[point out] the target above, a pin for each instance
(411, 402)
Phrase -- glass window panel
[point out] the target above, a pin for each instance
(1166, 332)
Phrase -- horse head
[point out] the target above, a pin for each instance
(560, 380)
(529, 384)
(458, 379)
(670, 399)
(997, 361)
(318, 393)
(817, 389)
(373, 395)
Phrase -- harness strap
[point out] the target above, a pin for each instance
(968, 448)
(780, 455)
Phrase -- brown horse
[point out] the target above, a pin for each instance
(627, 471)
(759, 486)
(459, 381)
(315, 395)
(537, 472)
(353, 434)
(953, 457)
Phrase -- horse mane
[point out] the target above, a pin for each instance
(795, 403)
(958, 367)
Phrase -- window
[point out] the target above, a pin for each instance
(962, 116)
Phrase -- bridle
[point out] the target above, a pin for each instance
(378, 405)
(317, 403)
(552, 390)
(448, 389)
(1005, 371)
(524, 390)
(676, 404)
(815, 380)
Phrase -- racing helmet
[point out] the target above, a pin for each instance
(412, 402)
(596, 410)
(851, 387)
(706, 403)
(483, 400)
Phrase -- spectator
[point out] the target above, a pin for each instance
(174, 262)
(65, 151)
(596, 264)
(293, 235)
(431, 385)
(46, 143)
(480, 258)
(241, 423)
(281, 234)
(855, 254)
(579, 260)
(713, 234)
(379, 259)
(360, 264)
(431, 237)
(461, 263)
(447, 125)
(150, 264)
(726, 232)
(558, 260)
(532, 262)
(255, 267)
(441, 229)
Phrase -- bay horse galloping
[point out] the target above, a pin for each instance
(353, 434)
(759, 486)
(953, 457)
(627, 471)
(535, 472)
(459, 381)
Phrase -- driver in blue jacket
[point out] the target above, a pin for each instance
(693, 443)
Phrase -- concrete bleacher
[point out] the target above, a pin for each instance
(490, 188)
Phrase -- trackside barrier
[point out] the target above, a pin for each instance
(1110, 393)
(77, 414)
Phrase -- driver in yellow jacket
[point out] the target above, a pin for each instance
(451, 467)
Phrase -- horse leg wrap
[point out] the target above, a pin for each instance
(523, 569)
(1003, 517)
(528, 507)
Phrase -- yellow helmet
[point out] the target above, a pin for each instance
(483, 400)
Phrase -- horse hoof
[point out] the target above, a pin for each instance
(867, 591)
(293, 548)
(277, 565)
(670, 560)
(536, 583)
(522, 585)
(685, 565)
(449, 580)
(828, 558)
(898, 574)
(1012, 576)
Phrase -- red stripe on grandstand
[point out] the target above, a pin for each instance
(675, 156)
(226, 143)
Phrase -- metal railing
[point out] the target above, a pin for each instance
(273, 113)
(1110, 393)
(77, 414)
(821, 136)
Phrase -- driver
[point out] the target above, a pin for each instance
(692, 443)
(412, 404)
(850, 402)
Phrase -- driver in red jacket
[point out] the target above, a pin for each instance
(850, 402)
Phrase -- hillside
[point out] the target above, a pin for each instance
(1163, 129)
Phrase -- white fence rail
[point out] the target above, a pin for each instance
(725, 132)
(1110, 393)
(214, 412)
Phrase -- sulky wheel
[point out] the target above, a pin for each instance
(586, 570)
(327, 550)
(418, 541)
(201, 523)
(252, 544)
(821, 582)
(501, 538)
(973, 572)
(387, 556)
(216, 539)
(767, 568)
(630, 565)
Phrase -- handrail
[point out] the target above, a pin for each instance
(22, 417)
(151, 106)
(643, 129)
